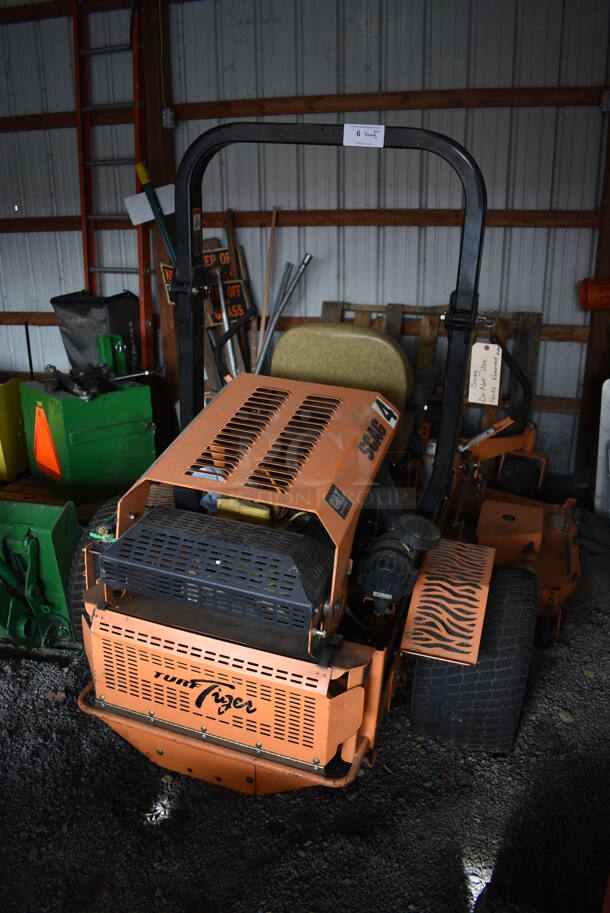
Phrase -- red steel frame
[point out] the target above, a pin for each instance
(144, 230)
(83, 130)
(83, 127)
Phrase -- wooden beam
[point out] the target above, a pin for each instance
(546, 96)
(34, 318)
(25, 225)
(313, 218)
(535, 96)
(58, 120)
(162, 167)
(19, 375)
(51, 120)
(564, 332)
(40, 319)
(118, 114)
(496, 218)
(559, 405)
(55, 9)
(33, 12)
(410, 326)
(597, 365)
(105, 224)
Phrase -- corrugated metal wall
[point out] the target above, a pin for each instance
(39, 176)
(224, 49)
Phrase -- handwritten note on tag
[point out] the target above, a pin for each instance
(485, 365)
(363, 135)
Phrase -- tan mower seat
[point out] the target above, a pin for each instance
(344, 355)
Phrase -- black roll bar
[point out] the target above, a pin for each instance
(462, 311)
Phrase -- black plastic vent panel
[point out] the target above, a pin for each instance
(238, 572)
(239, 434)
(285, 458)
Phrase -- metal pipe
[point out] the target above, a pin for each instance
(95, 163)
(26, 327)
(157, 210)
(118, 270)
(105, 49)
(160, 371)
(123, 106)
(225, 322)
(107, 216)
(278, 312)
(288, 267)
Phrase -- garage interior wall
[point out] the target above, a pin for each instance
(531, 158)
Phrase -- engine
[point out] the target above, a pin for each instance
(388, 571)
(231, 579)
(387, 574)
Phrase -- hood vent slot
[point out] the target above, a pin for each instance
(234, 441)
(283, 461)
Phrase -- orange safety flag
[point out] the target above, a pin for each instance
(45, 453)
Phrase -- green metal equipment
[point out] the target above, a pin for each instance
(37, 545)
(111, 352)
(13, 456)
(88, 449)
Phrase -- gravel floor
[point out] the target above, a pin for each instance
(87, 825)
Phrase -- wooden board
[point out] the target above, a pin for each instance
(332, 311)
(525, 352)
(28, 490)
(426, 348)
(500, 329)
(392, 325)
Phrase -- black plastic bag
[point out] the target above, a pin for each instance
(82, 316)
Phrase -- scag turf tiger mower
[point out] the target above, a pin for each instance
(266, 592)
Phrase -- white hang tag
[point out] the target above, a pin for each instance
(363, 135)
(485, 367)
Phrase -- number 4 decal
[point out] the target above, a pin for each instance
(386, 412)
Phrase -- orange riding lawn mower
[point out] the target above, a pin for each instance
(294, 557)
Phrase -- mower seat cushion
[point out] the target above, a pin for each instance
(344, 355)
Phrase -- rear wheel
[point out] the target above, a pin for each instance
(75, 589)
(479, 706)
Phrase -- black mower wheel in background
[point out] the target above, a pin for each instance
(478, 707)
(75, 588)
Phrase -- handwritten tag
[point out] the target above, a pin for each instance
(485, 365)
(363, 135)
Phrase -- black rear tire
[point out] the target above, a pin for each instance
(75, 588)
(478, 707)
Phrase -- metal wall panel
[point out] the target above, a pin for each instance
(39, 176)
(34, 268)
(36, 62)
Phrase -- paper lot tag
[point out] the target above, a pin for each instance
(485, 368)
(363, 135)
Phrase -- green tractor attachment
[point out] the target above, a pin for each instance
(37, 545)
